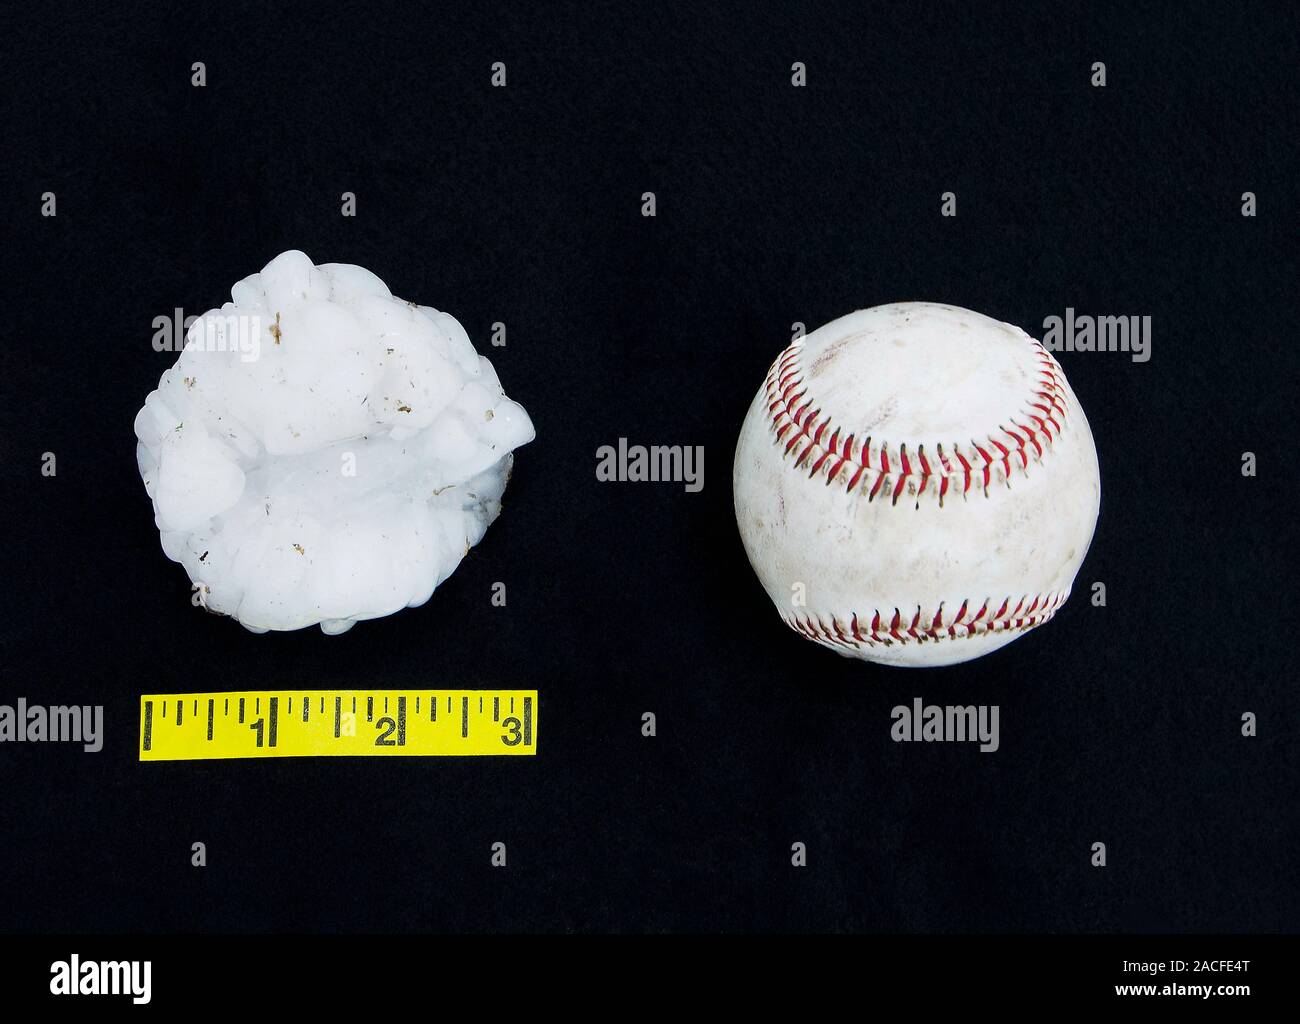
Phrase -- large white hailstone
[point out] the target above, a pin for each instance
(323, 452)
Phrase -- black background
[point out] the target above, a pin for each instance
(775, 204)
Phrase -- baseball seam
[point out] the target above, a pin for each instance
(817, 442)
(874, 629)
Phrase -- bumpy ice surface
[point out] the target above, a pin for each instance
(323, 452)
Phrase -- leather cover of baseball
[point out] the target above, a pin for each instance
(916, 484)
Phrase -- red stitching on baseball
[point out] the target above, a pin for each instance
(870, 470)
(923, 627)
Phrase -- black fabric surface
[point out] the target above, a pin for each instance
(775, 204)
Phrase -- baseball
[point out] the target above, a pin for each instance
(916, 484)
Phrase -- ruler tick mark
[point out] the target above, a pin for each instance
(464, 717)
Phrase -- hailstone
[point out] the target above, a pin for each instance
(323, 452)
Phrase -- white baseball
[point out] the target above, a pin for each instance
(916, 484)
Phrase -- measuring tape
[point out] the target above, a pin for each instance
(336, 723)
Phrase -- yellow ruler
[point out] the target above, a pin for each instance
(336, 723)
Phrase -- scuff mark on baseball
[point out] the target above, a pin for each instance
(927, 475)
